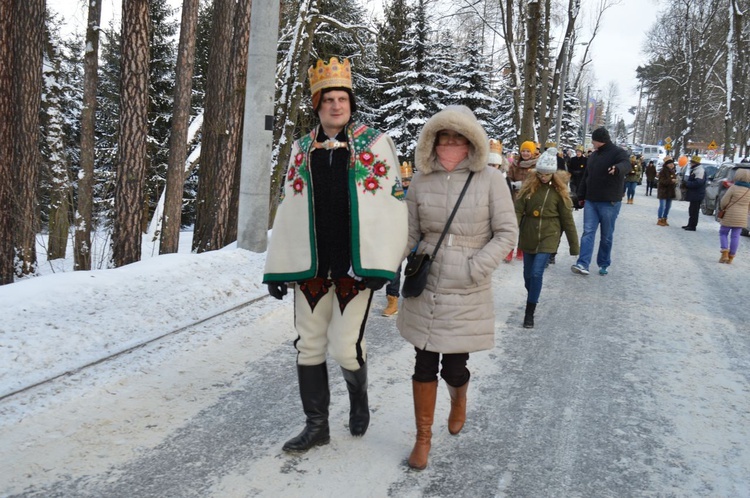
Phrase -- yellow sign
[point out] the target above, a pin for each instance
(668, 146)
(712, 145)
(668, 140)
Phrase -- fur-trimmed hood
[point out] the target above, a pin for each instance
(460, 119)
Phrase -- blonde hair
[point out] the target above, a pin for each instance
(559, 182)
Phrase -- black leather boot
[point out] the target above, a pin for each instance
(528, 320)
(359, 413)
(313, 389)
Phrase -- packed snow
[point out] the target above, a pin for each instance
(633, 384)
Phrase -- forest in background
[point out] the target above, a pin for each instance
(101, 130)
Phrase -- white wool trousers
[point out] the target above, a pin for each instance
(327, 329)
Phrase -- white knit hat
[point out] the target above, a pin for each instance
(547, 162)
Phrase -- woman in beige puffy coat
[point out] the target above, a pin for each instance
(454, 315)
(736, 201)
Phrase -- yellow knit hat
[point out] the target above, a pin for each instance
(528, 145)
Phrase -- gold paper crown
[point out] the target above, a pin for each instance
(406, 171)
(496, 146)
(330, 75)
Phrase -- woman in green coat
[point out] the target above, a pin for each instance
(544, 210)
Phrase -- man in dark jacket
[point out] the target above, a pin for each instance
(576, 167)
(600, 194)
(695, 184)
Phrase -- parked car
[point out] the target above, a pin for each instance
(717, 187)
(710, 167)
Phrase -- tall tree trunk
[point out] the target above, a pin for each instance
(83, 217)
(28, 45)
(545, 106)
(170, 229)
(7, 231)
(295, 66)
(131, 163)
(529, 100)
(232, 151)
(212, 190)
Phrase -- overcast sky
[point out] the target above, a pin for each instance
(615, 53)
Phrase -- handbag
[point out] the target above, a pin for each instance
(418, 265)
(720, 214)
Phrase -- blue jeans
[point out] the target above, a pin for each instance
(533, 273)
(630, 188)
(594, 215)
(664, 205)
(393, 287)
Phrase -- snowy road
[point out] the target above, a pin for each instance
(633, 384)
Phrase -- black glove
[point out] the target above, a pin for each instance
(277, 289)
(375, 283)
(581, 203)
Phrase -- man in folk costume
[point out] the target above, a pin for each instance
(339, 234)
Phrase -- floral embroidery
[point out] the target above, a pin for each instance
(380, 169)
(372, 184)
(298, 175)
(298, 185)
(366, 157)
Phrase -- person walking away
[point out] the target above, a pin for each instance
(576, 167)
(544, 211)
(665, 190)
(695, 185)
(454, 315)
(736, 202)
(631, 180)
(600, 193)
(651, 177)
(393, 287)
(518, 172)
(337, 238)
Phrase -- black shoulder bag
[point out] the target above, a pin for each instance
(418, 265)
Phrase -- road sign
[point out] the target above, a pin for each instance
(668, 140)
(712, 145)
(668, 146)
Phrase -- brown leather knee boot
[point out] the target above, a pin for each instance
(425, 394)
(457, 417)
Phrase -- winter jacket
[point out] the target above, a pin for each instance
(650, 172)
(737, 197)
(378, 214)
(597, 184)
(634, 174)
(696, 184)
(455, 313)
(519, 170)
(577, 165)
(542, 217)
(665, 187)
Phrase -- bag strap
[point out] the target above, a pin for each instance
(735, 202)
(453, 214)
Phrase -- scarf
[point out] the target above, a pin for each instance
(743, 184)
(450, 155)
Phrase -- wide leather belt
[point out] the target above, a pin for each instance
(473, 242)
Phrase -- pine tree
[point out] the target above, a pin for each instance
(503, 127)
(60, 128)
(390, 59)
(162, 61)
(472, 75)
(571, 120)
(413, 98)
